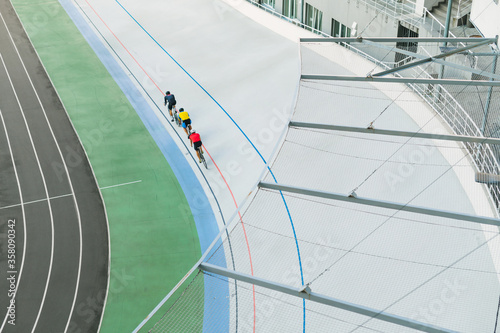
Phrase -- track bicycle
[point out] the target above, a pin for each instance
(202, 158)
(188, 128)
(176, 117)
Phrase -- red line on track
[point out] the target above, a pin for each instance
(244, 230)
(213, 161)
(119, 41)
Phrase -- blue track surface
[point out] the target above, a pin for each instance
(206, 223)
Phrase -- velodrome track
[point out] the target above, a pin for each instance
(243, 189)
(48, 188)
(138, 185)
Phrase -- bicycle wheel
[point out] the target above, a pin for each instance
(204, 161)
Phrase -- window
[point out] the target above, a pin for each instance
(290, 8)
(340, 30)
(335, 28)
(347, 32)
(400, 58)
(313, 17)
(270, 3)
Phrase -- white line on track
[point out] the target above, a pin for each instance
(35, 201)
(44, 185)
(24, 219)
(70, 185)
(105, 187)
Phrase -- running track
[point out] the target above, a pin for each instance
(47, 187)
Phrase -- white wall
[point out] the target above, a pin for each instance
(485, 15)
(347, 12)
(431, 3)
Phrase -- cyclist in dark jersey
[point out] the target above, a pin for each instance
(195, 140)
(170, 99)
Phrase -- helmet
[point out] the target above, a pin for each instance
(193, 131)
(181, 109)
(167, 93)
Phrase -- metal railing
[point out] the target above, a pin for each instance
(286, 18)
(398, 10)
(438, 98)
(451, 111)
(464, 7)
(436, 27)
(402, 11)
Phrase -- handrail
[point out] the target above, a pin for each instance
(391, 7)
(464, 9)
(441, 25)
(453, 113)
(444, 104)
(286, 18)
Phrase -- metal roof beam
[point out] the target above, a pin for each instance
(439, 56)
(305, 292)
(484, 54)
(381, 203)
(400, 80)
(447, 137)
(487, 178)
(397, 39)
(439, 61)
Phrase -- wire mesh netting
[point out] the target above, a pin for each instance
(274, 312)
(465, 109)
(436, 270)
(389, 168)
(428, 282)
(378, 258)
(468, 99)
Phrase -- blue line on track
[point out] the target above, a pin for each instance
(244, 134)
(205, 221)
(189, 182)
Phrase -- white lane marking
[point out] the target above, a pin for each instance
(44, 185)
(105, 187)
(35, 201)
(69, 182)
(24, 219)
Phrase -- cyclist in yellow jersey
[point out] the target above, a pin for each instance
(186, 121)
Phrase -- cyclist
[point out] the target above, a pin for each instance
(170, 99)
(194, 138)
(186, 121)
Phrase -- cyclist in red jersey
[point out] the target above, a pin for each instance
(194, 138)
